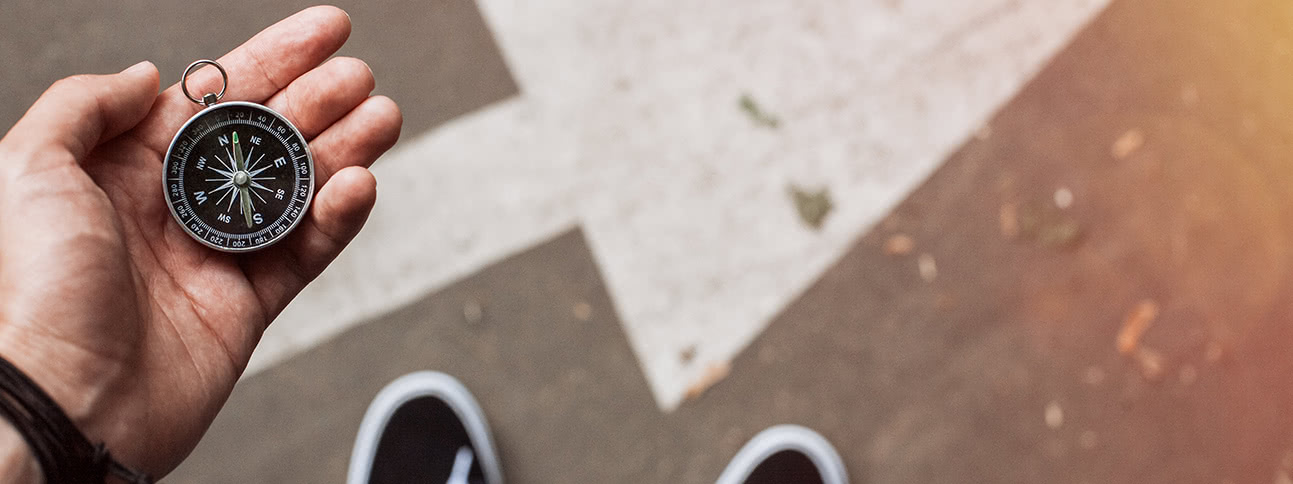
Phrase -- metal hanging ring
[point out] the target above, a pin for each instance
(207, 99)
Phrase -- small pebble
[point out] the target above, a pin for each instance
(1214, 352)
(899, 244)
(1249, 123)
(1190, 95)
(472, 312)
(1088, 440)
(1093, 376)
(1127, 144)
(1151, 364)
(928, 268)
(1188, 375)
(687, 354)
(1063, 198)
(1054, 415)
(582, 311)
(1008, 218)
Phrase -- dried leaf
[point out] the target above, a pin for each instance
(1047, 225)
(813, 206)
(712, 375)
(757, 114)
(1135, 324)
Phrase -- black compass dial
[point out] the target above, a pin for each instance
(238, 177)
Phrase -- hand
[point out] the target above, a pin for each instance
(138, 331)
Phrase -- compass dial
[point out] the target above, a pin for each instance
(238, 177)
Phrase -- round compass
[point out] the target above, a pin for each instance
(238, 176)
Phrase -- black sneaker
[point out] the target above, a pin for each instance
(424, 427)
(786, 454)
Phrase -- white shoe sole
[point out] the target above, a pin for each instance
(786, 437)
(409, 387)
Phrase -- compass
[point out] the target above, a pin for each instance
(238, 176)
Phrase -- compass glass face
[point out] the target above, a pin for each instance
(238, 177)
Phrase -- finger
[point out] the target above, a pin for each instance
(322, 96)
(79, 112)
(339, 211)
(358, 139)
(257, 69)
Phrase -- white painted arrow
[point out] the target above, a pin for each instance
(628, 125)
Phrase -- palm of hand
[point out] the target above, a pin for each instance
(137, 330)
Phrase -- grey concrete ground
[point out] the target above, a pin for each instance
(437, 59)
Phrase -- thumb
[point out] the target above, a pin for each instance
(80, 112)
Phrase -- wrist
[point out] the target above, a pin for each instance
(17, 465)
(74, 379)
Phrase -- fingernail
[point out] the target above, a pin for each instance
(142, 66)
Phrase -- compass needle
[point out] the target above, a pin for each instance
(246, 206)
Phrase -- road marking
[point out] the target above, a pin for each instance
(629, 127)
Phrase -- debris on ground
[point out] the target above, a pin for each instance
(1190, 95)
(1151, 364)
(757, 114)
(1040, 222)
(928, 267)
(1093, 376)
(1063, 198)
(1134, 326)
(582, 311)
(1054, 415)
(1214, 352)
(472, 312)
(1188, 375)
(984, 132)
(1008, 217)
(713, 374)
(1088, 440)
(1127, 144)
(899, 244)
(813, 205)
(687, 354)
